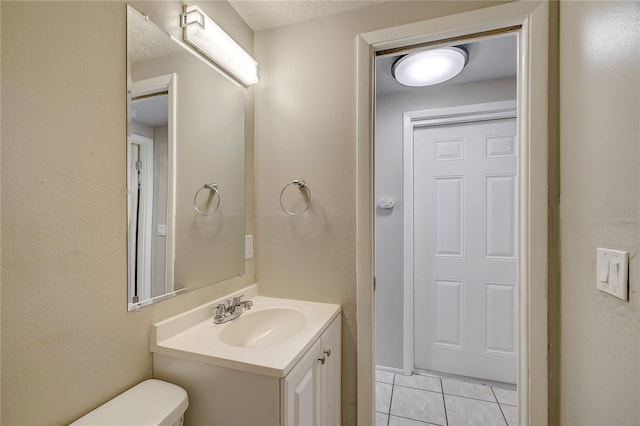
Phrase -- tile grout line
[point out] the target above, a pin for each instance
(470, 397)
(444, 404)
(499, 406)
(393, 386)
(495, 398)
(421, 389)
(419, 421)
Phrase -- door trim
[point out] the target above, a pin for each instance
(532, 17)
(410, 121)
(145, 206)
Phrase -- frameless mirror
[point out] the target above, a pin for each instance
(185, 167)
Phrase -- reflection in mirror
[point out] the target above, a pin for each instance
(185, 153)
(148, 151)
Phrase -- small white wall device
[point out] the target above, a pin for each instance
(386, 203)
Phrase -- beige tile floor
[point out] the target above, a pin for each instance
(420, 400)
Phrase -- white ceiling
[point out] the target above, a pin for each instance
(152, 111)
(265, 14)
(489, 59)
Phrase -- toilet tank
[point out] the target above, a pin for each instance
(150, 403)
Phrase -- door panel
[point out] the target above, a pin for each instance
(449, 227)
(302, 390)
(449, 313)
(331, 373)
(305, 399)
(500, 320)
(500, 220)
(465, 249)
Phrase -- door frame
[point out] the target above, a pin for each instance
(531, 22)
(145, 207)
(410, 121)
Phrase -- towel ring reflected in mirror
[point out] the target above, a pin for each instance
(302, 186)
(213, 187)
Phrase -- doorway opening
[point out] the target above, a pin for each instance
(446, 240)
(529, 22)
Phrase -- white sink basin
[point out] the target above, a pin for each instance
(257, 329)
(268, 339)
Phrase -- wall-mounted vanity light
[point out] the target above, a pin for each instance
(430, 67)
(205, 35)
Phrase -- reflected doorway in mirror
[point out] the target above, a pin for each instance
(151, 168)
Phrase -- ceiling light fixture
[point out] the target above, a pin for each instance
(430, 67)
(205, 35)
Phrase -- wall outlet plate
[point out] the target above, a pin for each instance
(612, 272)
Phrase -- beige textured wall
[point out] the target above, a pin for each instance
(68, 343)
(599, 178)
(305, 128)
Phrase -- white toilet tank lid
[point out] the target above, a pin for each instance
(152, 402)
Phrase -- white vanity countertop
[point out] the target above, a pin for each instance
(193, 335)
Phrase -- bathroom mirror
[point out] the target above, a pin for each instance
(185, 167)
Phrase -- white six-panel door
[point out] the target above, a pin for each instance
(465, 241)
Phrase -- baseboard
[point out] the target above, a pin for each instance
(389, 369)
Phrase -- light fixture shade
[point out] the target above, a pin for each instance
(205, 35)
(430, 67)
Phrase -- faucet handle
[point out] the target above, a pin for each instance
(236, 300)
(221, 309)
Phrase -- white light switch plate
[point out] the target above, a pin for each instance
(612, 272)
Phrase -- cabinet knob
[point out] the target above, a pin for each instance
(322, 360)
(328, 352)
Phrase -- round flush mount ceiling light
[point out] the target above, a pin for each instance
(430, 67)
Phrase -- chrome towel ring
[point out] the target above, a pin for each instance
(302, 186)
(213, 187)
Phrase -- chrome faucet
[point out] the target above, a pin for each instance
(232, 310)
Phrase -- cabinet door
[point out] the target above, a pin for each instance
(302, 390)
(331, 371)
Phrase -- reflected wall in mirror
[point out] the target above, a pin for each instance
(185, 167)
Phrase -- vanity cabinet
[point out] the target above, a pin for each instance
(307, 395)
(311, 391)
